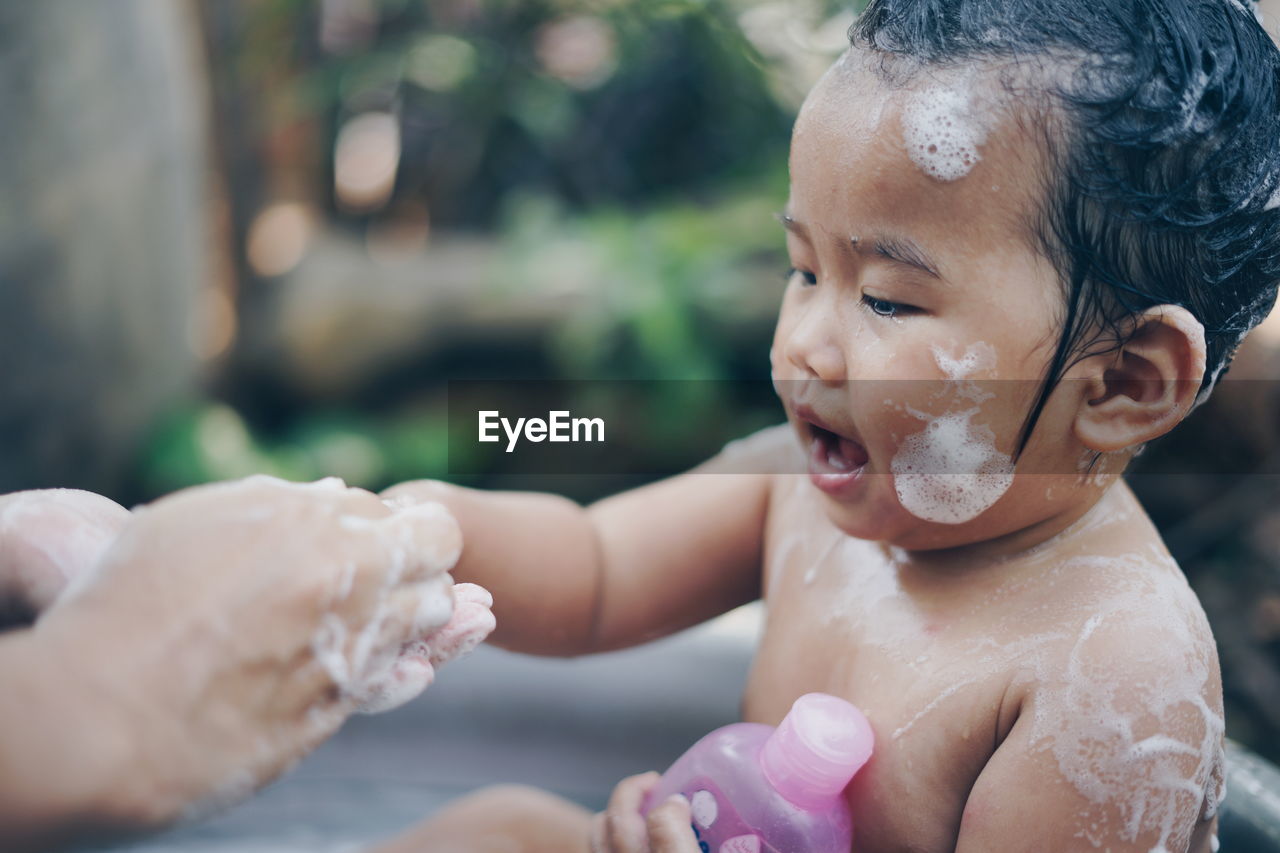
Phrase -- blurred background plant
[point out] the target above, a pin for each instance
(412, 191)
(262, 235)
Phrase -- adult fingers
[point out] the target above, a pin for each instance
(51, 537)
(413, 543)
(414, 492)
(408, 676)
(416, 610)
(669, 829)
(352, 654)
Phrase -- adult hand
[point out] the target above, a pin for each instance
(230, 628)
(48, 538)
(621, 828)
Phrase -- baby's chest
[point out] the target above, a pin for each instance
(933, 694)
(936, 724)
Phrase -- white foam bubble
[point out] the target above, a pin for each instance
(435, 605)
(950, 472)
(944, 129)
(1274, 203)
(1135, 731)
(979, 355)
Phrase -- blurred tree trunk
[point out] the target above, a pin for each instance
(103, 244)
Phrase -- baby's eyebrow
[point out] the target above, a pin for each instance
(901, 250)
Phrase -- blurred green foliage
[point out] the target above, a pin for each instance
(671, 284)
(689, 290)
(591, 102)
(629, 150)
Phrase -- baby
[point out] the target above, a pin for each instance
(1083, 198)
(1026, 237)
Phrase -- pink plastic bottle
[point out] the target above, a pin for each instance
(757, 789)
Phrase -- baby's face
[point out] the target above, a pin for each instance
(917, 287)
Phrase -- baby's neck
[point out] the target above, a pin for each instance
(1026, 541)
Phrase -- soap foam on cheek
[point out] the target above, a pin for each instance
(978, 356)
(943, 130)
(950, 472)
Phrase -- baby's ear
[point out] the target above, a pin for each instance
(1144, 389)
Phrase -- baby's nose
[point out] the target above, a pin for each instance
(812, 348)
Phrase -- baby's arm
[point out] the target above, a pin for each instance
(570, 580)
(1121, 752)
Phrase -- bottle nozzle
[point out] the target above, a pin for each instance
(821, 743)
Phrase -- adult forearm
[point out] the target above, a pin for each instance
(64, 770)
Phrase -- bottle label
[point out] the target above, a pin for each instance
(717, 824)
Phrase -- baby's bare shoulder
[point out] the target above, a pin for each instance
(1120, 717)
(1129, 623)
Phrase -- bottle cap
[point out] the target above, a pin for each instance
(812, 755)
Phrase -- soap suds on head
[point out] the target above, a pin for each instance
(944, 128)
(950, 472)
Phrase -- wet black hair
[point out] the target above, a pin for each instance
(1163, 136)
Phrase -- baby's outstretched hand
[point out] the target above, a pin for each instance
(414, 670)
(621, 828)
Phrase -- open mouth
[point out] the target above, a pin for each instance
(835, 462)
(834, 453)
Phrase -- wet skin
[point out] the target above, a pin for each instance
(949, 635)
(945, 662)
(1039, 676)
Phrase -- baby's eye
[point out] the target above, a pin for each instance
(809, 278)
(885, 308)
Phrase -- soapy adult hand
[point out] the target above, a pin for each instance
(48, 538)
(620, 828)
(227, 631)
(414, 668)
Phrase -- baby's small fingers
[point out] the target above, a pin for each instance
(629, 794)
(406, 679)
(669, 829)
(471, 623)
(623, 824)
(625, 833)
